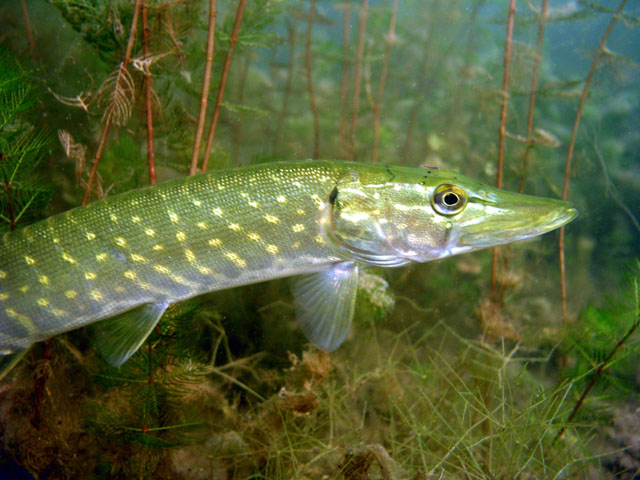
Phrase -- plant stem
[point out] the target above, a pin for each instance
(206, 81)
(107, 123)
(343, 81)
(532, 96)
(223, 82)
(308, 69)
(287, 88)
(503, 127)
(567, 168)
(146, 33)
(356, 87)
(383, 77)
(27, 26)
(602, 366)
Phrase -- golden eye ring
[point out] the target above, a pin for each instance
(448, 199)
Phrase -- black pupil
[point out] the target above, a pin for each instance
(450, 199)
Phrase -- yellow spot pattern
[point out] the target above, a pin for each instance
(71, 294)
(174, 217)
(90, 276)
(29, 260)
(254, 236)
(68, 258)
(236, 259)
(43, 279)
(130, 274)
(101, 257)
(91, 236)
(149, 232)
(205, 270)
(215, 242)
(298, 227)
(135, 219)
(24, 288)
(3, 274)
(190, 255)
(162, 269)
(271, 219)
(319, 239)
(181, 236)
(120, 241)
(202, 225)
(3, 296)
(43, 302)
(217, 212)
(96, 295)
(272, 249)
(114, 218)
(157, 247)
(137, 258)
(281, 199)
(234, 226)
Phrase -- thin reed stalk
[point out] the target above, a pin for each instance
(146, 33)
(503, 128)
(292, 30)
(308, 70)
(532, 96)
(389, 40)
(27, 27)
(223, 82)
(342, 126)
(567, 167)
(206, 82)
(109, 116)
(356, 84)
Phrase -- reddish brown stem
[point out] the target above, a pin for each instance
(503, 127)
(598, 373)
(308, 69)
(206, 82)
(223, 82)
(109, 117)
(343, 82)
(146, 33)
(27, 26)
(574, 133)
(383, 77)
(287, 89)
(532, 96)
(356, 86)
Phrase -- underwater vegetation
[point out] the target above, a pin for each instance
(516, 362)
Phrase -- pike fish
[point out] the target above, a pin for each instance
(121, 261)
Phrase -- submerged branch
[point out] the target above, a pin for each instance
(503, 128)
(389, 40)
(356, 83)
(532, 96)
(223, 82)
(342, 125)
(206, 81)
(110, 110)
(312, 98)
(574, 133)
(146, 33)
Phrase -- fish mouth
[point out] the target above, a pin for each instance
(511, 217)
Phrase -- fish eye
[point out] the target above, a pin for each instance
(448, 199)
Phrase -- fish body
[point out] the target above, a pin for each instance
(129, 256)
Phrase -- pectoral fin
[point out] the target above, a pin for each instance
(325, 302)
(7, 362)
(119, 337)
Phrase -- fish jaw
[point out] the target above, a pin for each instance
(496, 217)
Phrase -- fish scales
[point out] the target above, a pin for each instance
(167, 242)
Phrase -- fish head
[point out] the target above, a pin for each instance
(397, 215)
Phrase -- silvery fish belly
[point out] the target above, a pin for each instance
(123, 260)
